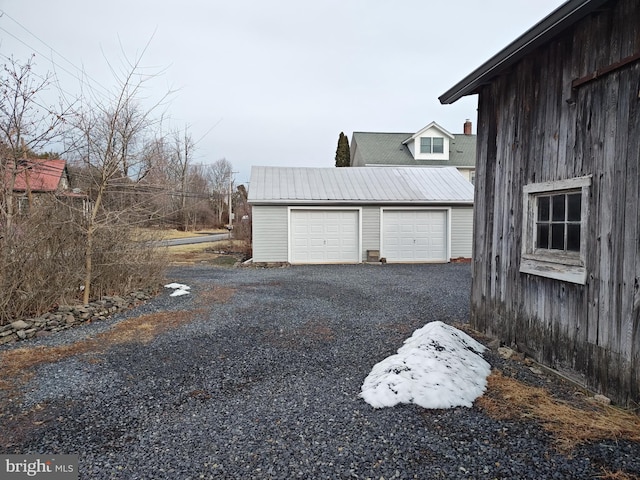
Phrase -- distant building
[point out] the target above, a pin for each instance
(432, 146)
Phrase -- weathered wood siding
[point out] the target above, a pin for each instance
(533, 127)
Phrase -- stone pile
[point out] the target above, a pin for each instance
(68, 316)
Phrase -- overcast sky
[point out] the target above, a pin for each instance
(275, 82)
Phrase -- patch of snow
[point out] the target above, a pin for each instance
(179, 288)
(439, 366)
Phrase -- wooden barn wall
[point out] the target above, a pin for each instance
(533, 127)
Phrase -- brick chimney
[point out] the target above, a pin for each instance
(467, 127)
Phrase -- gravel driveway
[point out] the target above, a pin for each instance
(256, 374)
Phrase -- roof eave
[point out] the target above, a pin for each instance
(561, 18)
(312, 203)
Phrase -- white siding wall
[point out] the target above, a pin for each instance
(461, 232)
(270, 233)
(370, 230)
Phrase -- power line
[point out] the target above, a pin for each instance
(4, 13)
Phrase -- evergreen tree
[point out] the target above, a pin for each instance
(343, 156)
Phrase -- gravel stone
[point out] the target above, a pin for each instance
(263, 382)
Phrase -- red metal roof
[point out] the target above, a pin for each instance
(39, 175)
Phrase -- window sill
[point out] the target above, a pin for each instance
(558, 271)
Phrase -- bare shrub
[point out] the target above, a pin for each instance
(42, 260)
(242, 232)
(121, 264)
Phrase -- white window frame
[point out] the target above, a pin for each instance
(431, 139)
(556, 264)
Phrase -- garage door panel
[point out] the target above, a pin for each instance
(325, 236)
(414, 235)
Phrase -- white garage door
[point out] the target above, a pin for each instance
(324, 236)
(414, 235)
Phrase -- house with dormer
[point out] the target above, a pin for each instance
(432, 146)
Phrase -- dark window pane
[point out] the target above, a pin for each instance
(574, 205)
(573, 237)
(557, 236)
(557, 207)
(543, 236)
(425, 145)
(438, 145)
(543, 209)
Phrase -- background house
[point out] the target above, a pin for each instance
(42, 176)
(432, 146)
(38, 177)
(340, 215)
(556, 231)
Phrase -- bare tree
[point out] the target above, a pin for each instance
(26, 125)
(220, 175)
(111, 138)
(34, 246)
(197, 208)
(181, 159)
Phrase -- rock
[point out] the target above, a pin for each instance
(8, 338)
(39, 322)
(535, 370)
(602, 399)
(505, 352)
(19, 325)
(494, 344)
(30, 332)
(69, 319)
(21, 334)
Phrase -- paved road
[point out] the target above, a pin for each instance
(216, 237)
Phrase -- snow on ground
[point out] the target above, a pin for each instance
(179, 289)
(439, 366)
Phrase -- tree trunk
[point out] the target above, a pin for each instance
(88, 252)
(88, 267)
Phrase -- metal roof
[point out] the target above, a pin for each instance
(374, 185)
(39, 175)
(550, 26)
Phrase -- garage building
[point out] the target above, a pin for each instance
(351, 215)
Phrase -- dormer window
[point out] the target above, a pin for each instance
(431, 145)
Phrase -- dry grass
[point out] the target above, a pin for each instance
(570, 424)
(201, 252)
(617, 475)
(18, 364)
(215, 295)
